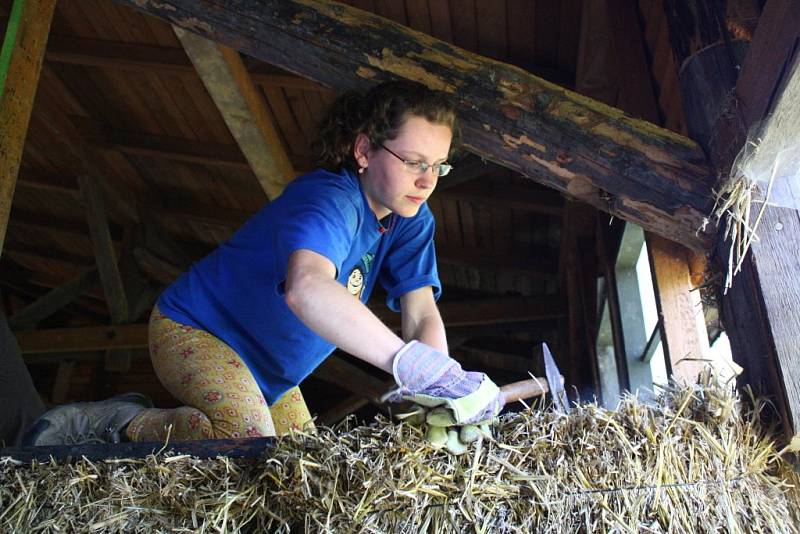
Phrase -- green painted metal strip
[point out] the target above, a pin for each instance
(10, 40)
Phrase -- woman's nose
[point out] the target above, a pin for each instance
(426, 180)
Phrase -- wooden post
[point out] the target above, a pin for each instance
(683, 327)
(20, 64)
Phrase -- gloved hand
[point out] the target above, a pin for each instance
(433, 379)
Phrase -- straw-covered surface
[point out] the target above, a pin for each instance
(689, 463)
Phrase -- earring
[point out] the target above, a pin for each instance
(361, 170)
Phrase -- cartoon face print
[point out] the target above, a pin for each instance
(355, 282)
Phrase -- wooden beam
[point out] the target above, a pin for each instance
(156, 59)
(131, 336)
(243, 109)
(116, 360)
(104, 252)
(20, 66)
(631, 168)
(56, 224)
(44, 307)
(120, 205)
(636, 95)
(52, 183)
(210, 448)
(31, 290)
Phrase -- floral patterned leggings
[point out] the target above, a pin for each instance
(221, 397)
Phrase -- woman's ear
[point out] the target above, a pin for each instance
(361, 150)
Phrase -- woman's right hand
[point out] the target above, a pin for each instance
(434, 379)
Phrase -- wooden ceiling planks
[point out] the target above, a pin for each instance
(548, 16)
(418, 13)
(464, 24)
(172, 105)
(569, 30)
(294, 139)
(492, 30)
(441, 26)
(391, 9)
(664, 72)
(521, 38)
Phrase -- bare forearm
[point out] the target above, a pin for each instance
(337, 316)
(422, 320)
(428, 329)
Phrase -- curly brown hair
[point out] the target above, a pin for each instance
(379, 115)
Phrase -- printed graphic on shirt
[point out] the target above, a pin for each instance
(355, 282)
(357, 279)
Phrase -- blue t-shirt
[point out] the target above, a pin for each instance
(236, 292)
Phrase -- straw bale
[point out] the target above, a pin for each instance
(692, 461)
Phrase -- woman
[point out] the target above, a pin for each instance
(234, 336)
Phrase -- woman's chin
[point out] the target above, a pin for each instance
(407, 211)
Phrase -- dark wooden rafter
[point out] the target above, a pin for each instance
(595, 153)
(30, 287)
(72, 151)
(107, 266)
(28, 317)
(20, 68)
(104, 251)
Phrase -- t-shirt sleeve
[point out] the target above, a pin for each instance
(324, 221)
(411, 261)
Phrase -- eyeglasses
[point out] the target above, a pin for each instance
(420, 167)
